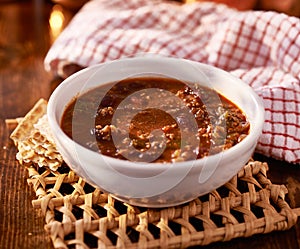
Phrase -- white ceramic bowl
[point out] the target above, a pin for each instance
(156, 184)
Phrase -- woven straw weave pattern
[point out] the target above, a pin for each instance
(79, 215)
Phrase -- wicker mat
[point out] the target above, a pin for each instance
(79, 215)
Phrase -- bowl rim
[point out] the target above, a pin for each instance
(248, 141)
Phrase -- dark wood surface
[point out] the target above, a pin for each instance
(25, 38)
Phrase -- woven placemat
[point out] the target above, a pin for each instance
(79, 215)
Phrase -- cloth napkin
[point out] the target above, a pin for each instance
(261, 48)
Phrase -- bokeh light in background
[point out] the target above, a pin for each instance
(56, 21)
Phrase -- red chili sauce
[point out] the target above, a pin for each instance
(133, 108)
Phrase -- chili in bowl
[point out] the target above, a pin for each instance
(155, 131)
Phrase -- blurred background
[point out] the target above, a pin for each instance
(290, 7)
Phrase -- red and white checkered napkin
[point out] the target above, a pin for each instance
(262, 48)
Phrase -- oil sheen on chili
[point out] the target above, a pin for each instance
(154, 119)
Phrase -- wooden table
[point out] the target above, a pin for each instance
(25, 37)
